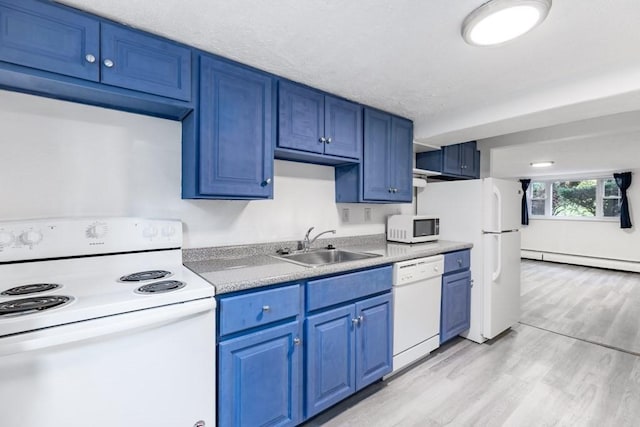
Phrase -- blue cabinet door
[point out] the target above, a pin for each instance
(46, 37)
(236, 131)
(343, 128)
(451, 160)
(401, 155)
(467, 159)
(376, 162)
(374, 340)
(259, 378)
(455, 312)
(145, 63)
(330, 364)
(300, 118)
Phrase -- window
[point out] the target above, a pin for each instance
(538, 198)
(577, 198)
(611, 198)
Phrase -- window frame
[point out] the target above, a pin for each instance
(548, 190)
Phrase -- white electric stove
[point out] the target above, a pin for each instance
(102, 325)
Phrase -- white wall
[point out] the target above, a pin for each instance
(580, 149)
(60, 159)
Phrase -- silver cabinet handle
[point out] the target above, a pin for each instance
(322, 140)
(390, 190)
(266, 182)
(355, 321)
(266, 308)
(297, 341)
(90, 58)
(459, 262)
(328, 140)
(395, 190)
(108, 63)
(360, 319)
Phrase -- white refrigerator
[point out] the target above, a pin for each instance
(485, 212)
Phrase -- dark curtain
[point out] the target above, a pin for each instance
(624, 182)
(524, 216)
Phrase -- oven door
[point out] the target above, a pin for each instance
(153, 367)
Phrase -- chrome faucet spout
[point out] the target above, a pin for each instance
(307, 242)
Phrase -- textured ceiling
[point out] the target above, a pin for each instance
(407, 56)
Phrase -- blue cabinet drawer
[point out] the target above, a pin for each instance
(241, 312)
(454, 261)
(346, 287)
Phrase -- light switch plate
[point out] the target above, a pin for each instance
(345, 214)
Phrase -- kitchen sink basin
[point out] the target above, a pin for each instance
(319, 257)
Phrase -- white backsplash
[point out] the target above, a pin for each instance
(62, 159)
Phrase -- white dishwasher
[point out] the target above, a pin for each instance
(417, 289)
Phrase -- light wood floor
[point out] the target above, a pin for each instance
(602, 306)
(528, 376)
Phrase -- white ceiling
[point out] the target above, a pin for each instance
(407, 56)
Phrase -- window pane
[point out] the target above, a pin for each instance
(611, 207)
(574, 198)
(537, 207)
(538, 190)
(611, 188)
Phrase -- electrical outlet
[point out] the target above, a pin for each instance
(345, 214)
(367, 214)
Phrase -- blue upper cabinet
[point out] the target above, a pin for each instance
(316, 127)
(46, 37)
(343, 128)
(386, 172)
(458, 161)
(377, 163)
(145, 63)
(51, 38)
(234, 153)
(300, 118)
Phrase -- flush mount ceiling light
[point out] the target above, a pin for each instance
(541, 164)
(498, 21)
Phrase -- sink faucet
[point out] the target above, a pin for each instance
(306, 242)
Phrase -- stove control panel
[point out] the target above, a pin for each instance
(56, 238)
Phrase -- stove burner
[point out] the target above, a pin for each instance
(31, 289)
(32, 305)
(145, 275)
(161, 287)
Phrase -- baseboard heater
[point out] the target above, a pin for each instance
(612, 264)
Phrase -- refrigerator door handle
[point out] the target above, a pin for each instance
(498, 271)
(496, 191)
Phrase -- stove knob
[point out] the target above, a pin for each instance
(150, 232)
(6, 239)
(168, 230)
(97, 230)
(31, 237)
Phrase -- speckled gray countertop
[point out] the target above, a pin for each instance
(236, 268)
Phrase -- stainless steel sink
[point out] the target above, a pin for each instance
(318, 257)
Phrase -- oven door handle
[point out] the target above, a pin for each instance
(96, 328)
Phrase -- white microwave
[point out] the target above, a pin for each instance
(413, 228)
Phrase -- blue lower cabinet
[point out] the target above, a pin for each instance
(259, 378)
(347, 349)
(331, 363)
(373, 336)
(455, 313)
